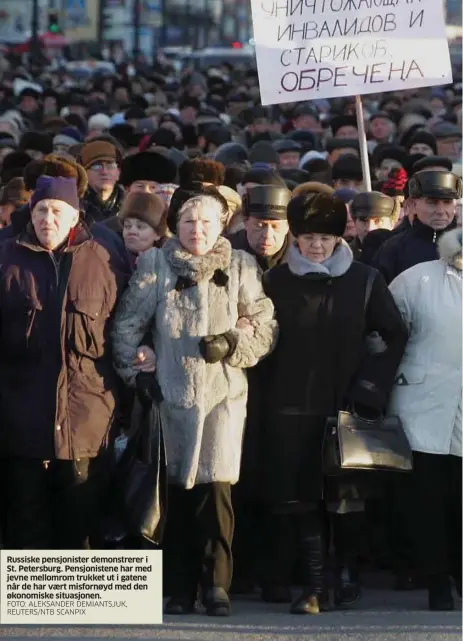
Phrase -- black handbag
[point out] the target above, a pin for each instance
(138, 494)
(354, 443)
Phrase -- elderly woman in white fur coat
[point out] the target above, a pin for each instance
(209, 318)
(427, 396)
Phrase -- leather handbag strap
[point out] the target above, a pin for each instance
(370, 280)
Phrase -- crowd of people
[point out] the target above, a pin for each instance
(169, 233)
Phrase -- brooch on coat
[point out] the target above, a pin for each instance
(219, 278)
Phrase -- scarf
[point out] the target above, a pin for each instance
(336, 265)
(193, 269)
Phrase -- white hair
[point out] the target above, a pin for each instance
(205, 200)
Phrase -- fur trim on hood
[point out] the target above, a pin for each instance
(450, 248)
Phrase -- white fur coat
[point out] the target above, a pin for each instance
(204, 406)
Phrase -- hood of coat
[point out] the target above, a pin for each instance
(334, 266)
(198, 268)
(450, 248)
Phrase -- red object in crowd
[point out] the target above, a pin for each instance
(395, 184)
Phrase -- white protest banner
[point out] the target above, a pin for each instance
(86, 587)
(309, 49)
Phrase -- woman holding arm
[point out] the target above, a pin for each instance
(193, 295)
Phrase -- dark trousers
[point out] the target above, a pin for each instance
(199, 538)
(52, 505)
(283, 543)
(247, 539)
(438, 513)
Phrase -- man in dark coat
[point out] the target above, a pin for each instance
(102, 161)
(373, 214)
(432, 196)
(58, 388)
(56, 166)
(266, 237)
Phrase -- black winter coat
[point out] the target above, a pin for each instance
(320, 366)
(57, 383)
(417, 244)
(248, 487)
(96, 210)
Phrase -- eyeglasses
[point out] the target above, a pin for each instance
(99, 166)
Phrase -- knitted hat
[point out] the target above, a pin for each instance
(48, 188)
(68, 136)
(317, 214)
(166, 192)
(99, 151)
(149, 208)
(147, 165)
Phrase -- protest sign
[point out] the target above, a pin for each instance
(309, 49)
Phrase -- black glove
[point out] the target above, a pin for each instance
(215, 348)
(148, 389)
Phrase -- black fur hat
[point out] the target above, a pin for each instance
(317, 214)
(148, 165)
(37, 142)
(13, 166)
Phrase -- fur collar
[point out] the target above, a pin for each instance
(336, 265)
(450, 248)
(198, 268)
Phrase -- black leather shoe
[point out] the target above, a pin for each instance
(217, 603)
(310, 603)
(440, 597)
(348, 589)
(180, 605)
(276, 594)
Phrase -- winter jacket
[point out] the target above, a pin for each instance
(204, 407)
(97, 210)
(239, 240)
(57, 384)
(113, 243)
(428, 388)
(320, 365)
(248, 487)
(418, 244)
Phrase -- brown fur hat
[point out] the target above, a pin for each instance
(202, 170)
(312, 188)
(55, 166)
